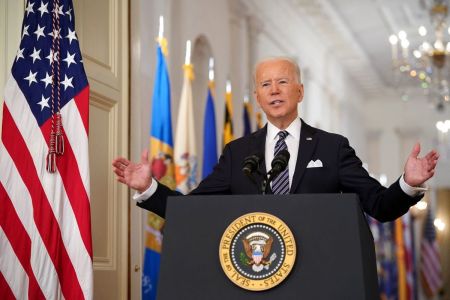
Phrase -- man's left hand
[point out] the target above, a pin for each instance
(420, 169)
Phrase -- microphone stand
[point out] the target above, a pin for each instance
(264, 185)
(266, 181)
(250, 176)
(251, 165)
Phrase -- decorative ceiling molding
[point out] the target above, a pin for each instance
(354, 33)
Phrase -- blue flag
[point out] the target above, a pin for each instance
(161, 154)
(209, 136)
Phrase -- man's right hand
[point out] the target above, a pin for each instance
(136, 175)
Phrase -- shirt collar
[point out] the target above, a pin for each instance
(293, 129)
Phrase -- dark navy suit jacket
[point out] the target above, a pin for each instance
(342, 172)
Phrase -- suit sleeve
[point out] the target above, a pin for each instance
(218, 182)
(158, 201)
(384, 204)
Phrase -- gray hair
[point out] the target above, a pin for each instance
(285, 58)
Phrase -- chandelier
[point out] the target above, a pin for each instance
(443, 139)
(423, 58)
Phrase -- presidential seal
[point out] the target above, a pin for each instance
(257, 251)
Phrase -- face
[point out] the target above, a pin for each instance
(278, 91)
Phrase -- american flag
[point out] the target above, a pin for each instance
(430, 265)
(45, 229)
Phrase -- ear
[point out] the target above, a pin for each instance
(255, 94)
(301, 92)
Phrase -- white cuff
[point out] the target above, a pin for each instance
(139, 197)
(411, 190)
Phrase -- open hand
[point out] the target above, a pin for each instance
(420, 169)
(135, 175)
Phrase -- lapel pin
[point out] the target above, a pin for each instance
(309, 138)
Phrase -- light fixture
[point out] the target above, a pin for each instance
(443, 126)
(423, 57)
(439, 224)
(443, 138)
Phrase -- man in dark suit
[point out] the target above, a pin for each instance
(320, 162)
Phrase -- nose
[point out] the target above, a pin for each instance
(274, 89)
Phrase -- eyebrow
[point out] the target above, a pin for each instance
(276, 79)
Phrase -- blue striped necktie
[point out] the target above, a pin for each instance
(280, 184)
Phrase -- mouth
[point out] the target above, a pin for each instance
(276, 102)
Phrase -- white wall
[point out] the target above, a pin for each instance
(401, 124)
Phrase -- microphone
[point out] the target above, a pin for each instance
(251, 164)
(279, 163)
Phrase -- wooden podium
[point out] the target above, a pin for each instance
(335, 250)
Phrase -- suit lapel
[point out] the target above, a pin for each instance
(308, 142)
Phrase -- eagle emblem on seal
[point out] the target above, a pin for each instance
(257, 246)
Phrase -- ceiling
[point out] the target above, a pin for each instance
(358, 32)
(368, 25)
